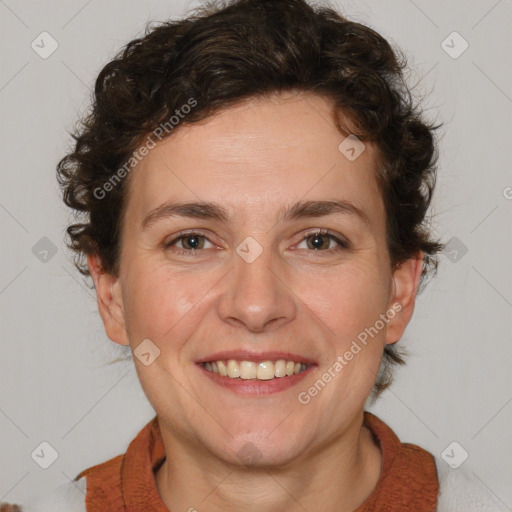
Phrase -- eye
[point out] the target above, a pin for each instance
(190, 243)
(320, 240)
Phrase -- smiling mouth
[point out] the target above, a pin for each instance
(250, 370)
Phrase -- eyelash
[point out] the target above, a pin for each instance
(342, 245)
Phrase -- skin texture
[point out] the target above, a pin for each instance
(255, 158)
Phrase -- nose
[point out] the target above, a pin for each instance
(257, 295)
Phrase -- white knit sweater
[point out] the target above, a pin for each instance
(459, 491)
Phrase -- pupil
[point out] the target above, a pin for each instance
(193, 244)
(317, 239)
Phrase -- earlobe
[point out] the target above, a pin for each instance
(109, 298)
(406, 278)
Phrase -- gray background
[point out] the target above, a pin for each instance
(55, 383)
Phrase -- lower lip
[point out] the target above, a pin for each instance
(256, 387)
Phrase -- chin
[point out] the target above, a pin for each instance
(259, 449)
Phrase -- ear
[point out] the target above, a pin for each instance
(110, 302)
(406, 279)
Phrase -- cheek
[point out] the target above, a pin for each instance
(350, 303)
(157, 301)
(163, 305)
(348, 299)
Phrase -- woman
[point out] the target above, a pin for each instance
(255, 181)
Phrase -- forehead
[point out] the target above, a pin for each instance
(266, 151)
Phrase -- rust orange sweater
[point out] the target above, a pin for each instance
(126, 483)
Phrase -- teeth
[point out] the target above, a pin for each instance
(250, 370)
(265, 370)
(223, 369)
(233, 369)
(280, 368)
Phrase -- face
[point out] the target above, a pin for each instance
(267, 283)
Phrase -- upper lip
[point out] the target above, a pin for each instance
(251, 355)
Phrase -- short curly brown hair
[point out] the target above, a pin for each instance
(228, 51)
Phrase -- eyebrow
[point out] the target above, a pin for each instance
(215, 211)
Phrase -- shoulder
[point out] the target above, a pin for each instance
(461, 491)
(69, 497)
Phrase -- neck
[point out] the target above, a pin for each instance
(335, 478)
